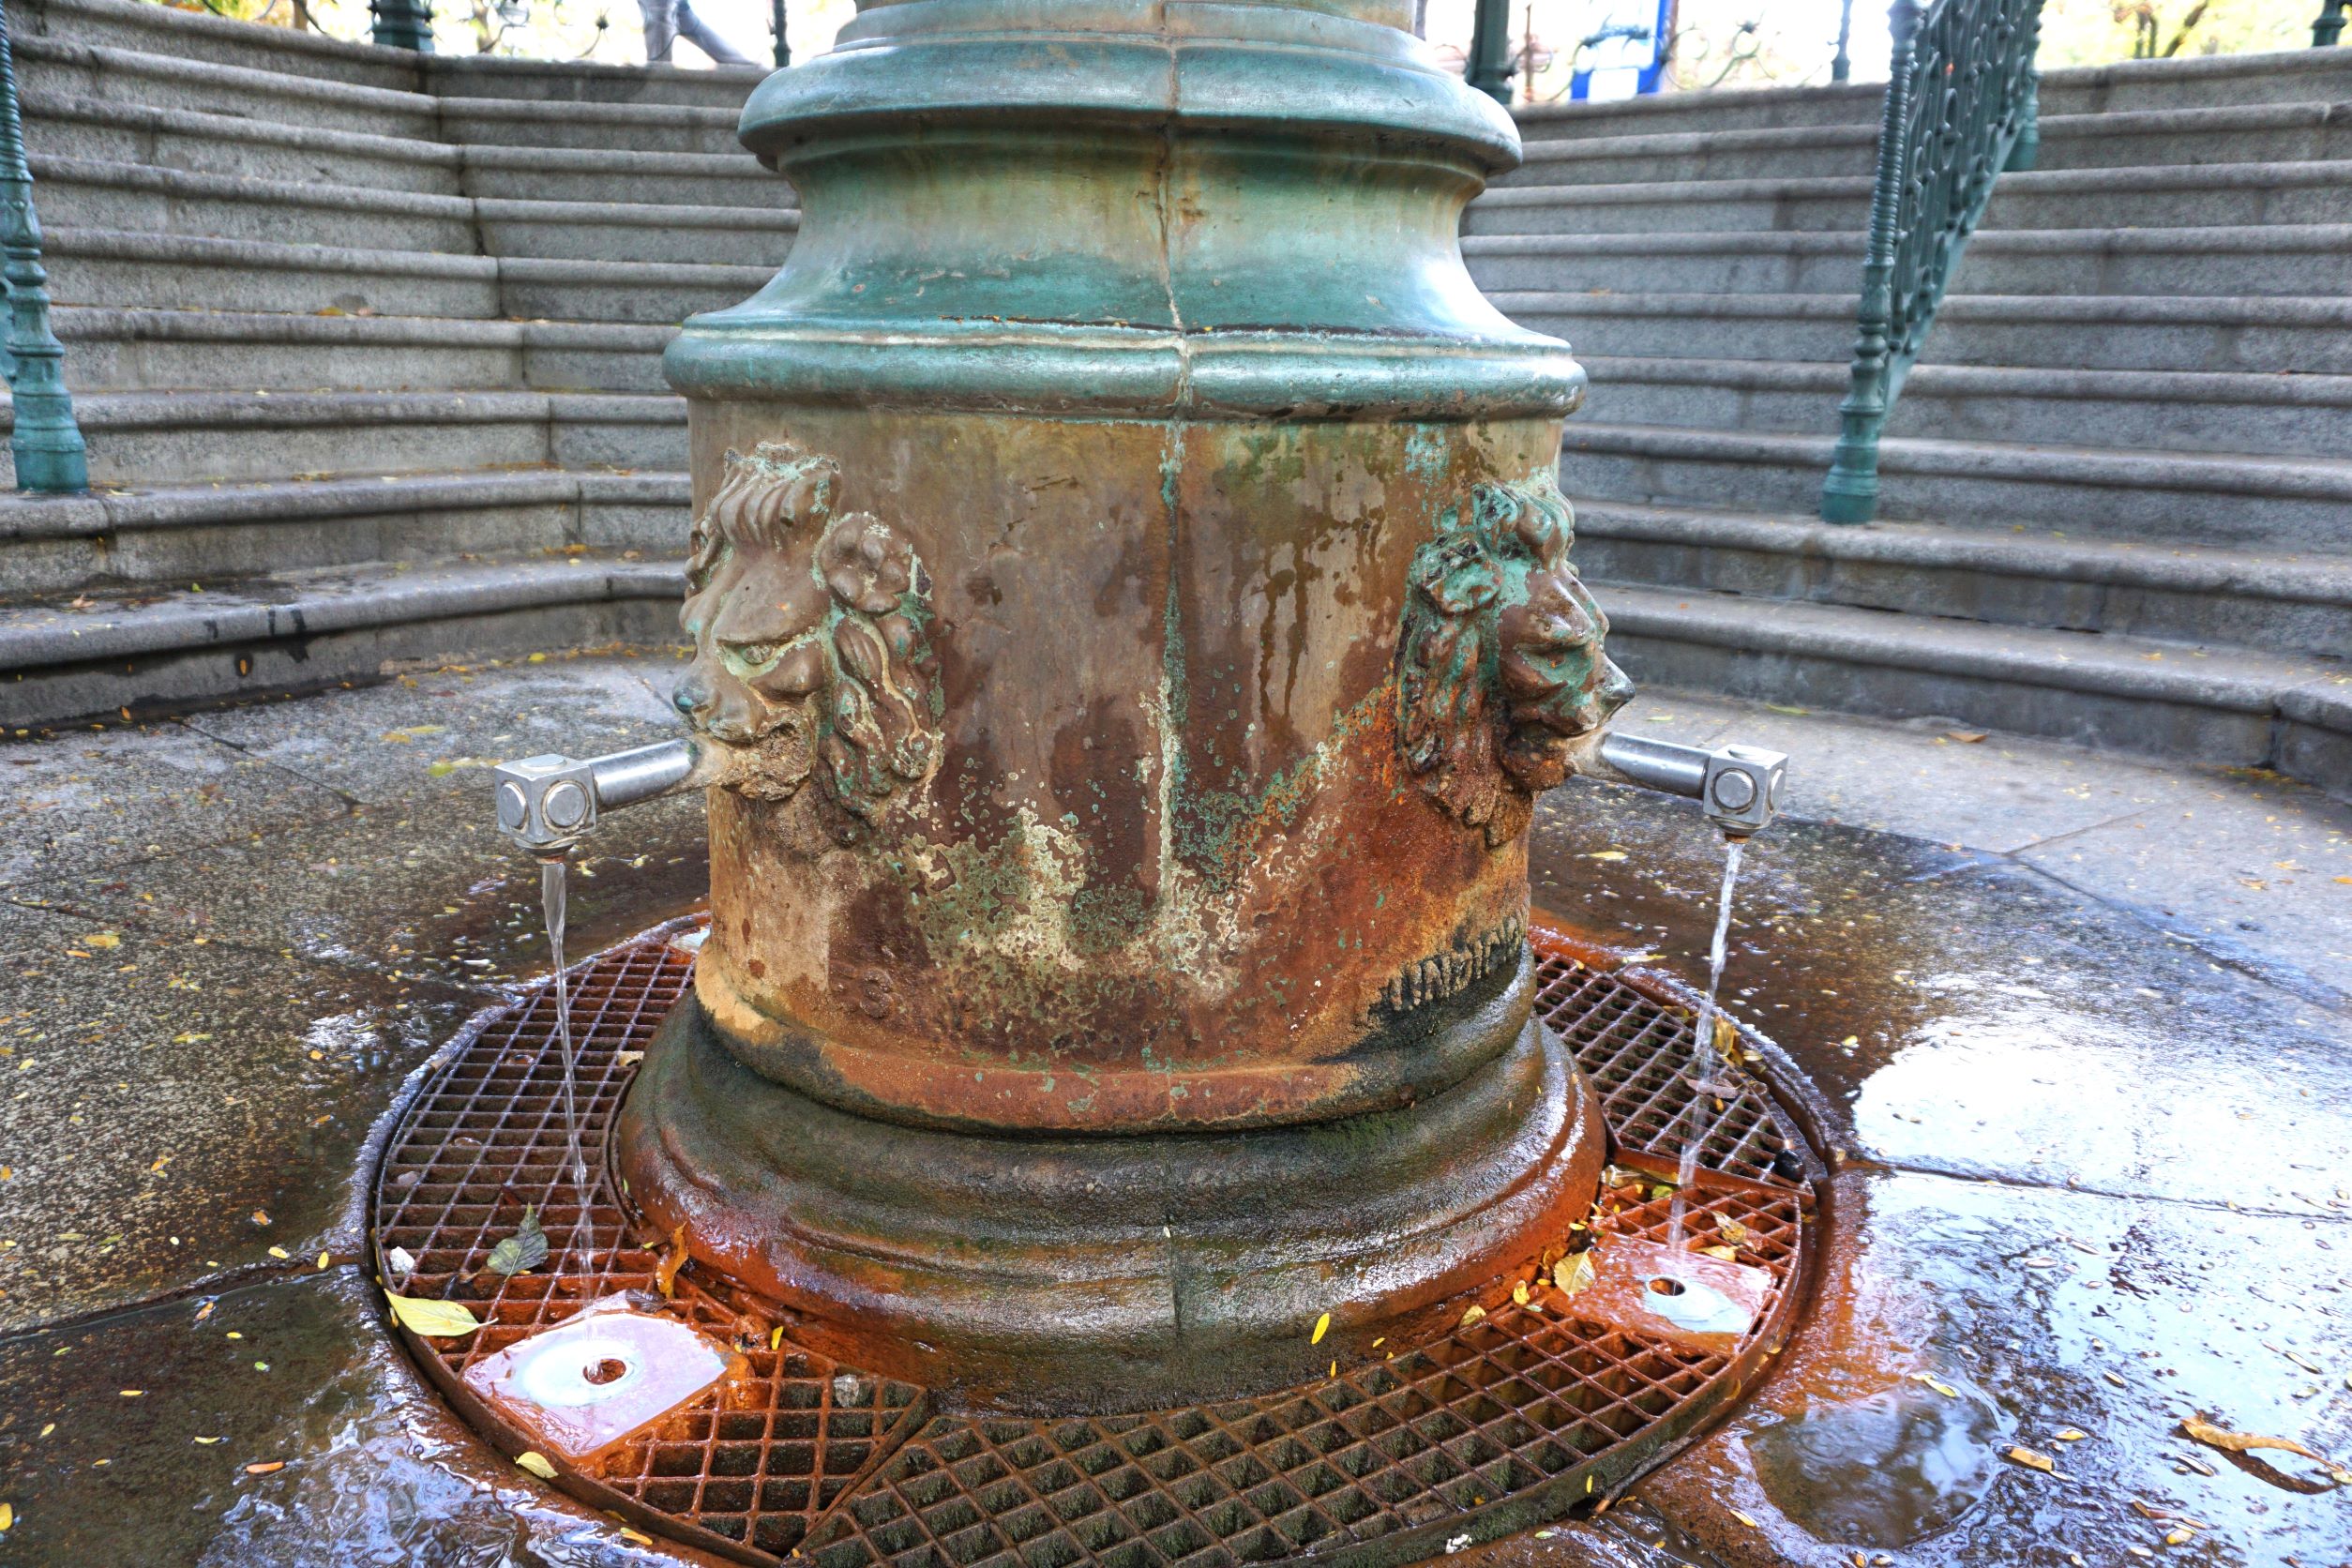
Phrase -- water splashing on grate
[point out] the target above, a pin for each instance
(1707, 1066)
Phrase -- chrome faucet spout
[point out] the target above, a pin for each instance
(548, 803)
(1738, 787)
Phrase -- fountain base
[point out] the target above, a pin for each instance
(1553, 1396)
(1053, 1274)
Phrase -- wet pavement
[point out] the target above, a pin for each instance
(2090, 1083)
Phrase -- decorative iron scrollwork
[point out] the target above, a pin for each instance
(811, 638)
(1500, 661)
(1960, 108)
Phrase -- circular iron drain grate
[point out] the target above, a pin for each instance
(1508, 1419)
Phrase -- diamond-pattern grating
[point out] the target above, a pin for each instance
(1509, 1418)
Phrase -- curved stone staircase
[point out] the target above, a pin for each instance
(2119, 480)
(365, 348)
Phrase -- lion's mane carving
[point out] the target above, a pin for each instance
(812, 644)
(1500, 661)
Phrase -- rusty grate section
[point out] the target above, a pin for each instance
(1522, 1402)
(1638, 1055)
(1506, 1420)
(753, 1469)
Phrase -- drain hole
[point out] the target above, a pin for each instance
(1662, 1286)
(607, 1370)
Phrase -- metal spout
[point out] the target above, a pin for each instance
(1738, 787)
(547, 805)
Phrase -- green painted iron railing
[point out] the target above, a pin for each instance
(2326, 29)
(1960, 108)
(46, 442)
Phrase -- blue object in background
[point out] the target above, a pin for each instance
(1621, 48)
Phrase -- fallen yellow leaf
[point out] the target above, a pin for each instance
(1322, 1326)
(1519, 1295)
(265, 1467)
(775, 1337)
(1607, 855)
(8, 1516)
(2031, 1460)
(103, 938)
(279, 1252)
(1729, 1254)
(2069, 1435)
(1473, 1315)
(1745, 1520)
(133, 1393)
(634, 1538)
(1945, 1389)
(432, 1319)
(2223, 1438)
(1573, 1272)
(536, 1463)
(2179, 1537)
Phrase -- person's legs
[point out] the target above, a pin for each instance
(699, 34)
(661, 29)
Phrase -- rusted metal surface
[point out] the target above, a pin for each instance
(1481, 1426)
(1132, 616)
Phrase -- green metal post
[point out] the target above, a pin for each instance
(783, 46)
(1490, 50)
(1842, 63)
(1850, 495)
(2028, 147)
(46, 443)
(2328, 30)
(403, 24)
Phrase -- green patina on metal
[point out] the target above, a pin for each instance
(1960, 108)
(46, 440)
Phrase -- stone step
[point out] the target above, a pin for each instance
(96, 194)
(133, 270)
(201, 38)
(2292, 76)
(2236, 133)
(2264, 334)
(631, 127)
(2217, 705)
(171, 536)
(2280, 505)
(140, 438)
(570, 82)
(295, 633)
(2175, 196)
(205, 40)
(145, 350)
(2182, 410)
(2306, 260)
(198, 143)
(66, 68)
(2286, 604)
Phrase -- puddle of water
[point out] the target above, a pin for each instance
(1884, 1470)
(1705, 1064)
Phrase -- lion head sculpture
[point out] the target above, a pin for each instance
(1499, 660)
(811, 645)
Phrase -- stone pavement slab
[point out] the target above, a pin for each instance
(2252, 866)
(418, 737)
(87, 801)
(172, 1109)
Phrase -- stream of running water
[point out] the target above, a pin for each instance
(1707, 1068)
(553, 885)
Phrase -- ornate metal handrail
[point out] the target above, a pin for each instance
(1960, 108)
(2327, 27)
(46, 442)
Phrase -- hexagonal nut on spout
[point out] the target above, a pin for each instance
(1742, 792)
(546, 804)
